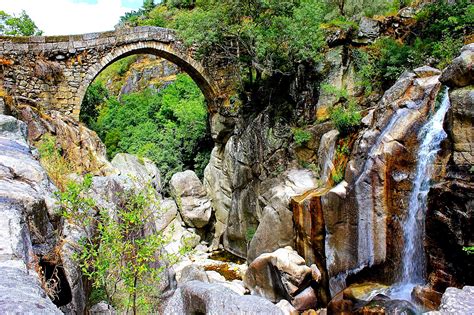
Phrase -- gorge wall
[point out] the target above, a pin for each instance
(264, 199)
(269, 191)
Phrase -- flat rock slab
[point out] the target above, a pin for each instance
(21, 293)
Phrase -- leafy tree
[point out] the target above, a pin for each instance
(21, 25)
(96, 95)
(169, 127)
(124, 257)
(263, 36)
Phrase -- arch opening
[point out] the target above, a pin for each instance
(193, 68)
(158, 111)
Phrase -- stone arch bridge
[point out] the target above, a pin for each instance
(53, 72)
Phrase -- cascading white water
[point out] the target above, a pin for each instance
(413, 259)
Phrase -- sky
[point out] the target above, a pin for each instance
(68, 17)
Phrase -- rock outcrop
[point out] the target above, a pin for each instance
(191, 197)
(80, 144)
(26, 203)
(283, 274)
(457, 301)
(195, 297)
(450, 214)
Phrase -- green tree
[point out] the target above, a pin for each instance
(95, 97)
(169, 127)
(124, 256)
(21, 25)
(264, 37)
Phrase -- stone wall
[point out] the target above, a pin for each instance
(53, 72)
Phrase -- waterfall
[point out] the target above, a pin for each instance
(413, 257)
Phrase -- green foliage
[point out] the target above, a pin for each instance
(394, 58)
(340, 94)
(51, 158)
(357, 8)
(250, 233)
(469, 250)
(343, 151)
(342, 23)
(168, 127)
(338, 175)
(346, 120)
(301, 136)
(117, 252)
(263, 37)
(437, 39)
(116, 72)
(21, 25)
(95, 97)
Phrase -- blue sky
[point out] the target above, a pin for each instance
(126, 3)
(65, 17)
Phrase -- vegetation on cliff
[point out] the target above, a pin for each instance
(169, 127)
(268, 37)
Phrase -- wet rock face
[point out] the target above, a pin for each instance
(368, 298)
(450, 214)
(26, 203)
(362, 217)
(427, 297)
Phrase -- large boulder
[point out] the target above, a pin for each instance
(141, 170)
(457, 301)
(461, 70)
(369, 30)
(26, 202)
(195, 297)
(191, 197)
(278, 275)
(276, 217)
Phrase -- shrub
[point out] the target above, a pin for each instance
(122, 258)
(338, 175)
(96, 96)
(56, 165)
(346, 120)
(250, 233)
(469, 250)
(301, 136)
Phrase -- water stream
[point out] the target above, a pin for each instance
(413, 257)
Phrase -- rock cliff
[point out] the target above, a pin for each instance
(26, 234)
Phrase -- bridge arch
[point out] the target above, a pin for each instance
(193, 68)
(54, 72)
